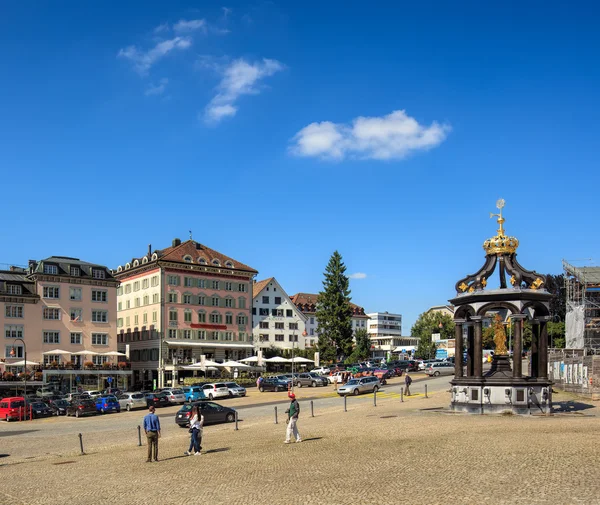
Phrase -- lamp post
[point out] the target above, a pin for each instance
(13, 353)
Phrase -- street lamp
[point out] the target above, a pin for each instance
(13, 353)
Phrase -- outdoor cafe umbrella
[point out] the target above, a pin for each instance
(83, 353)
(235, 364)
(113, 353)
(300, 359)
(276, 359)
(56, 351)
(251, 359)
(21, 363)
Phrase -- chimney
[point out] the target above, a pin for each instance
(32, 265)
(149, 250)
(176, 242)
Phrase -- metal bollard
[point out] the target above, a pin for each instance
(275, 414)
(312, 409)
(139, 436)
(425, 390)
(236, 421)
(402, 395)
(345, 398)
(81, 443)
(374, 398)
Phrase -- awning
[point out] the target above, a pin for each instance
(405, 348)
(183, 343)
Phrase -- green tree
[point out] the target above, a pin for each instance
(333, 312)
(362, 348)
(487, 338)
(556, 335)
(555, 284)
(426, 325)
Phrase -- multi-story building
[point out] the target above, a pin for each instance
(178, 304)
(307, 303)
(276, 320)
(385, 332)
(60, 303)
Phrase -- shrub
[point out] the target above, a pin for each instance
(123, 364)
(89, 364)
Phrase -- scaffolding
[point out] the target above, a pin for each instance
(582, 292)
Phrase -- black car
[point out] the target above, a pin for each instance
(59, 407)
(85, 407)
(40, 409)
(212, 412)
(273, 384)
(410, 365)
(157, 399)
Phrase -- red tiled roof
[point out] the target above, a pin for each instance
(197, 251)
(258, 286)
(307, 301)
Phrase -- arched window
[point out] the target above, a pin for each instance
(229, 264)
(216, 262)
(136, 263)
(144, 260)
(202, 260)
(119, 268)
(127, 266)
(201, 316)
(188, 259)
(154, 257)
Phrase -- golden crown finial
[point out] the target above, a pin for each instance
(500, 243)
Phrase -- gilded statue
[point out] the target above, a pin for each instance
(499, 336)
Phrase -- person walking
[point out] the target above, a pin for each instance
(152, 430)
(293, 411)
(196, 425)
(407, 383)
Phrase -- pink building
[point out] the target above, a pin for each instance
(180, 303)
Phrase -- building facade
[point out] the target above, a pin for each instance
(59, 303)
(307, 304)
(385, 332)
(182, 303)
(276, 321)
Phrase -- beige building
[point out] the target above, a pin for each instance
(182, 304)
(58, 304)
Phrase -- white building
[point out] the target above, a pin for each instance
(276, 321)
(385, 332)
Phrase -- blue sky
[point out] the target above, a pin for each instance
(280, 132)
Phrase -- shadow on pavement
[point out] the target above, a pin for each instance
(570, 406)
(11, 433)
(222, 449)
(311, 439)
(4, 455)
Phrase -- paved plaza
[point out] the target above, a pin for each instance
(413, 452)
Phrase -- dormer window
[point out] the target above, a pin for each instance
(202, 261)
(229, 264)
(98, 273)
(75, 272)
(14, 289)
(187, 259)
(216, 262)
(136, 263)
(50, 269)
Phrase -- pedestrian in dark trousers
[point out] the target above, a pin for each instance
(196, 424)
(407, 383)
(293, 411)
(152, 430)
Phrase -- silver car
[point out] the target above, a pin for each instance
(175, 396)
(235, 389)
(442, 368)
(362, 385)
(131, 401)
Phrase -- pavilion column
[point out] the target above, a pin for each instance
(518, 345)
(478, 347)
(458, 350)
(543, 348)
(535, 348)
(470, 347)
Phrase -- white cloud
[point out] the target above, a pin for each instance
(358, 275)
(185, 25)
(394, 136)
(143, 60)
(157, 89)
(162, 28)
(239, 78)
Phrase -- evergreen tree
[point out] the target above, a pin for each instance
(334, 314)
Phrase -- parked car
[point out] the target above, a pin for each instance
(215, 390)
(130, 401)
(427, 362)
(39, 409)
(212, 412)
(273, 384)
(292, 377)
(442, 368)
(284, 377)
(83, 407)
(321, 370)
(13, 408)
(363, 385)
(235, 389)
(76, 396)
(175, 396)
(157, 399)
(193, 393)
(312, 379)
(59, 407)
(106, 404)
(407, 365)
(46, 391)
(93, 393)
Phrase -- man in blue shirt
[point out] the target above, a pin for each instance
(152, 430)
